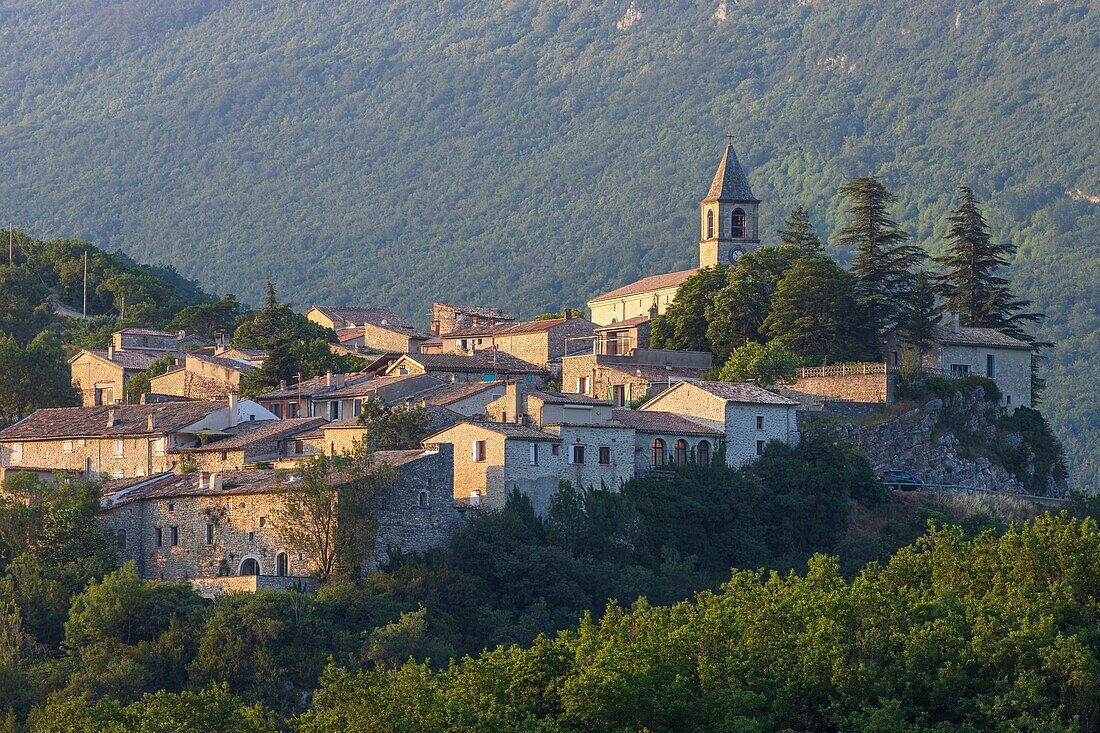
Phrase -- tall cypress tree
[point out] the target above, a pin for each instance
(971, 286)
(798, 231)
(884, 257)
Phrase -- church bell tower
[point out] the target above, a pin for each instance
(728, 215)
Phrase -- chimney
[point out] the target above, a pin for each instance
(435, 328)
(513, 396)
(955, 322)
(282, 384)
(233, 409)
(341, 380)
(151, 422)
(473, 319)
(567, 312)
(328, 378)
(112, 415)
(111, 352)
(215, 481)
(202, 481)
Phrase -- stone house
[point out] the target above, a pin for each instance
(539, 342)
(215, 528)
(368, 329)
(664, 438)
(480, 366)
(963, 351)
(121, 441)
(623, 337)
(336, 396)
(251, 443)
(466, 398)
(447, 318)
(749, 416)
(204, 374)
(728, 228)
(153, 341)
(339, 437)
(102, 375)
(626, 379)
(523, 405)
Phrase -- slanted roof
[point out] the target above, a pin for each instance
(508, 430)
(129, 360)
(450, 393)
(510, 329)
(654, 421)
(237, 365)
(742, 392)
(653, 373)
(477, 310)
(75, 422)
(620, 325)
(972, 336)
(648, 284)
(564, 398)
(485, 361)
(394, 388)
(730, 182)
(380, 317)
(315, 386)
(177, 485)
(146, 332)
(255, 434)
(398, 458)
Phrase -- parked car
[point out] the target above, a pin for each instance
(901, 481)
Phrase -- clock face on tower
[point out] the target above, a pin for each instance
(735, 254)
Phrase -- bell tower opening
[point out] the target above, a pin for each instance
(730, 215)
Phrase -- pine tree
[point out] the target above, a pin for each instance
(971, 287)
(884, 259)
(921, 316)
(798, 231)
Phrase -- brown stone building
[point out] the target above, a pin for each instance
(118, 441)
(102, 375)
(627, 379)
(480, 366)
(447, 318)
(204, 374)
(253, 444)
(369, 329)
(543, 343)
(215, 528)
(336, 396)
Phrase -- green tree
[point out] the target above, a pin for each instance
(884, 258)
(24, 303)
(736, 311)
(683, 327)
(814, 312)
(33, 376)
(208, 319)
(798, 232)
(390, 429)
(327, 510)
(920, 318)
(140, 384)
(765, 364)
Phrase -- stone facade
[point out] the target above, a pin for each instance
(747, 426)
(606, 458)
(852, 382)
(1011, 369)
(448, 318)
(419, 512)
(100, 381)
(611, 308)
(624, 380)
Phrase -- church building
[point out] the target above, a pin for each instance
(729, 226)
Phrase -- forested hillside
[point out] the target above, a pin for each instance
(532, 153)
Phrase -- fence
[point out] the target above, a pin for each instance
(841, 370)
(1050, 501)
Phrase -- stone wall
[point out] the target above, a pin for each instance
(141, 455)
(384, 339)
(592, 473)
(217, 587)
(1012, 369)
(418, 513)
(186, 383)
(847, 382)
(606, 312)
(89, 371)
(749, 427)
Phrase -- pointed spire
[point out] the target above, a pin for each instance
(730, 182)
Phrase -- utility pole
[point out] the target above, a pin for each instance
(85, 285)
(123, 316)
(11, 243)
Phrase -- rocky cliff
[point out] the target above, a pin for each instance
(959, 436)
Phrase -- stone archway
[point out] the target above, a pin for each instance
(250, 566)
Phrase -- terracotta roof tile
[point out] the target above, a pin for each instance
(730, 182)
(743, 392)
(65, 422)
(971, 336)
(653, 421)
(250, 434)
(647, 284)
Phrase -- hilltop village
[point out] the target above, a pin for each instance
(193, 473)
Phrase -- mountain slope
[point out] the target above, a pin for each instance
(532, 153)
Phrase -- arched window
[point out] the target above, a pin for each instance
(280, 565)
(422, 500)
(658, 452)
(710, 223)
(681, 452)
(702, 453)
(250, 567)
(737, 222)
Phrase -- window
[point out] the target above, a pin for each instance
(576, 454)
(158, 537)
(681, 452)
(702, 453)
(105, 395)
(555, 449)
(422, 500)
(209, 534)
(760, 447)
(171, 507)
(737, 224)
(118, 448)
(250, 567)
(582, 385)
(299, 447)
(534, 454)
(1008, 399)
(263, 521)
(478, 451)
(121, 537)
(334, 410)
(67, 446)
(605, 455)
(280, 565)
(158, 446)
(251, 536)
(16, 453)
(960, 370)
(759, 422)
(710, 223)
(618, 395)
(357, 408)
(174, 533)
(991, 366)
(658, 452)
